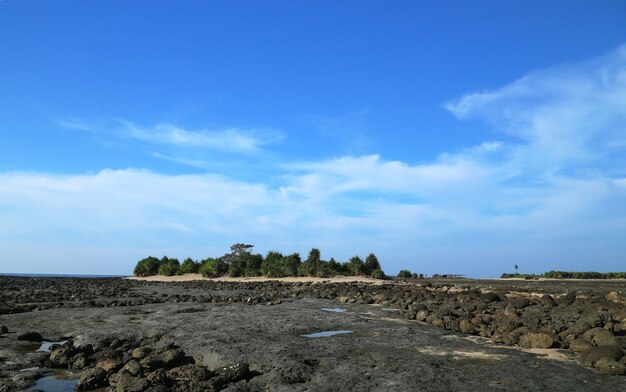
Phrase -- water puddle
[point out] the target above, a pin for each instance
(45, 346)
(9, 363)
(59, 382)
(334, 310)
(30, 369)
(42, 347)
(324, 334)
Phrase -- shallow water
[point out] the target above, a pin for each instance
(61, 382)
(45, 346)
(324, 334)
(334, 310)
(30, 369)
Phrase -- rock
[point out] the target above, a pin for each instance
(567, 299)
(110, 365)
(593, 354)
(61, 356)
(158, 377)
(579, 345)
(172, 357)
(92, 379)
(616, 297)
(189, 373)
(466, 326)
(233, 373)
(3, 329)
(80, 361)
(168, 359)
(490, 297)
(610, 366)
(30, 336)
(133, 367)
(123, 381)
(421, 315)
(140, 352)
(548, 301)
(601, 337)
(536, 340)
(519, 303)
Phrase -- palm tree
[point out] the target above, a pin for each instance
(516, 267)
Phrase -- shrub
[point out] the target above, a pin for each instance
(273, 266)
(189, 266)
(169, 267)
(211, 268)
(312, 262)
(291, 264)
(147, 266)
(236, 268)
(355, 266)
(371, 264)
(378, 274)
(323, 270)
(251, 264)
(405, 274)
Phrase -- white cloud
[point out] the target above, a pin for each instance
(569, 114)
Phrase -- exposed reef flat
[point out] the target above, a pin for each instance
(251, 336)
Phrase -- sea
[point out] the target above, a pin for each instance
(61, 275)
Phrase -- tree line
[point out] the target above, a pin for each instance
(569, 275)
(242, 262)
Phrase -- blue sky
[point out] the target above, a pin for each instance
(445, 136)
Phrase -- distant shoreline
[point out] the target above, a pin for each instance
(22, 275)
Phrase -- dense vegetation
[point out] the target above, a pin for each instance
(242, 262)
(408, 274)
(569, 275)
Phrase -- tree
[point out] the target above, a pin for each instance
(371, 264)
(291, 264)
(313, 262)
(356, 266)
(189, 266)
(147, 266)
(516, 267)
(405, 274)
(252, 263)
(273, 266)
(169, 267)
(211, 268)
(236, 260)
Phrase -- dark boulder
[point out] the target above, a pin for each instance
(593, 354)
(490, 297)
(536, 340)
(92, 379)
(30, 336)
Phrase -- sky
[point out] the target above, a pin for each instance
(444, 136)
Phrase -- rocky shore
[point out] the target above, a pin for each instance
(206, 335)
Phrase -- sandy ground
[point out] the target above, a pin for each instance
(190, 277)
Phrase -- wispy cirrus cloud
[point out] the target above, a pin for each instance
(229, 140)
(569, 115)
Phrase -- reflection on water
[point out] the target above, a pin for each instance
(58, 382)
(32, 347)
(334, 310)
(45, 346)
(324, 334)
